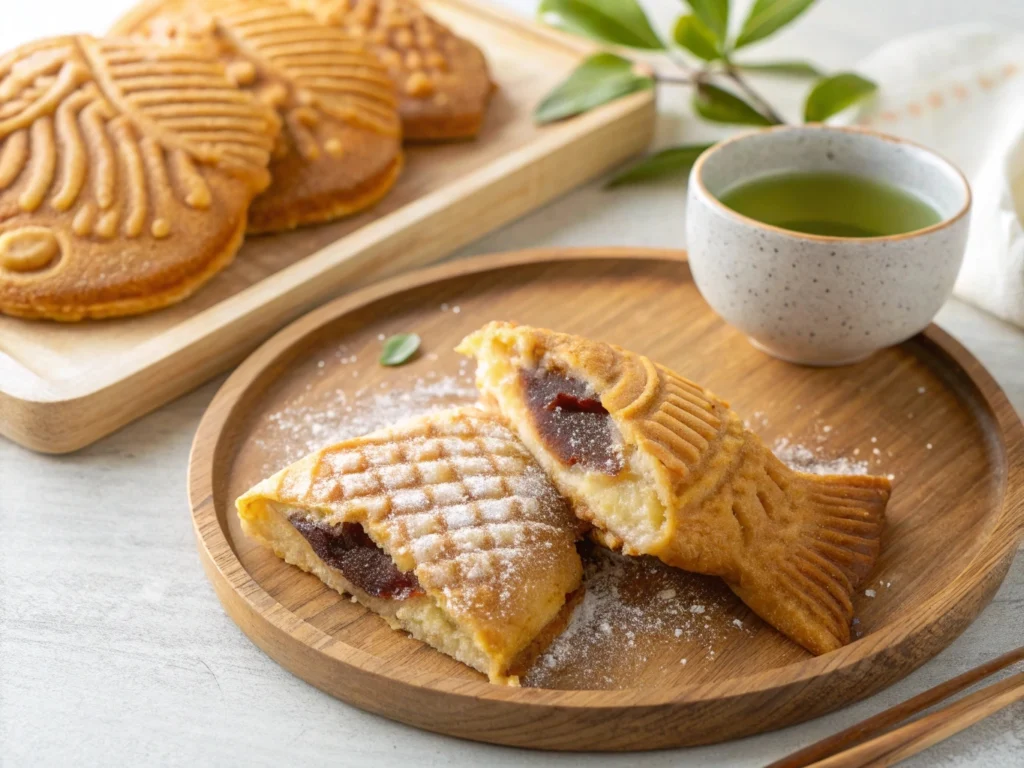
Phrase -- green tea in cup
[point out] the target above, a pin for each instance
(830, 204)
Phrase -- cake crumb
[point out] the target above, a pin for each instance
(696, 609)
(737, 623)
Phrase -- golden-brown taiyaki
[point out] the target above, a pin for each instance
(125, 173)
(660, 466)
(340, 148)
(443, 525)
(443, 81)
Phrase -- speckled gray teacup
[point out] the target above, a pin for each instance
(824, 300)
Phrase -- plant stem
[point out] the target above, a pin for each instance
(674, 79)
(763, 106)
(680, 62)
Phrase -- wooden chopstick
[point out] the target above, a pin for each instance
(877, 724)
(896, 745)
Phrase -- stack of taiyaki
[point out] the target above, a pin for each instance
(470, 547)
(131, 167)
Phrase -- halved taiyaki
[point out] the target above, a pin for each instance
(660, 466)
(125, 173)
(341, 147)
(443, 81)
(443, 525)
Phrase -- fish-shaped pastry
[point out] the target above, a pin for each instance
(444, 85)
(340, 149)
(443, 525)
(660, 466)
(126, 170)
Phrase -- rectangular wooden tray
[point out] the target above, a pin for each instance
(65, 386)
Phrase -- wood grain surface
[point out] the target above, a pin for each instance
(925, 412)
(65, 386)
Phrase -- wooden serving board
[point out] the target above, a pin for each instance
(65, 386)
(925, 412)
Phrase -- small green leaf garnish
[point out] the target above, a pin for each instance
(399, 348)
(691, 34)
(714, 16)
(834, 94)
(785, 68)
(622, 22)
(767, 17)
(601, 78)
(664, 163)
(720, 106)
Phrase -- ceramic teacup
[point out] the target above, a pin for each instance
(824, 300)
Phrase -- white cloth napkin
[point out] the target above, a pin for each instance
(960, 92)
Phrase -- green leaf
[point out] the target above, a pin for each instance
(602, 78)
(622, 22)
(767, 17)
(714, 14)
(399, 348)
(834, 94)
(692, 35)
(663, 163)
(720, 106)
(786, 68)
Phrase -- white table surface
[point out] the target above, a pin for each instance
(114, 649)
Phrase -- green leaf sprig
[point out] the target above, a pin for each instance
(399, 348)
(721, 93)
(601, 78)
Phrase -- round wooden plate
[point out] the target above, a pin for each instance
(925, 412)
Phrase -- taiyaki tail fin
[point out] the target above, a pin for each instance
(802, 581)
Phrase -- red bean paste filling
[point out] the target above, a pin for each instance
(571, 422)
(348, 548)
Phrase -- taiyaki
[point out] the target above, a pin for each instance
(443, 525)
(340, 149)
(444, 84)
(125, 173)
(660, 466)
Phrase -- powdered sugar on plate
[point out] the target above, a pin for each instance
(804, 459)
(634, 612)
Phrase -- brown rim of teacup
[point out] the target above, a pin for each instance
(698, 178)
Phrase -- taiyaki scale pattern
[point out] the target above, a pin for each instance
(340, 149)
(126, 171)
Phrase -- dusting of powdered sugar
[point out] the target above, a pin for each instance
(633, 608)
(347, 412)
(812, 460)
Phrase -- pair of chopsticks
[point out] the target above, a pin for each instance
(869, 743)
